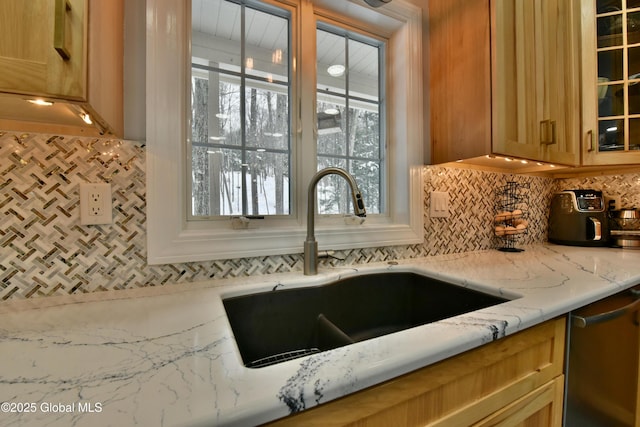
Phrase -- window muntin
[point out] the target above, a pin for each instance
(240, 145)
(350, 115)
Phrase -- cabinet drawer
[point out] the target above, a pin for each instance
(462, 390)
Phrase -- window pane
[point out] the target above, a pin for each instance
(240, 120)
(368, 173)
(334, 196)
(331, 135)
(214, 122)
(267, 45)
(349, 120)
(331, 62)
(216, 40)
(268, 174)
(220, 175)
(363, 70)
(267, 118)
(364, 141)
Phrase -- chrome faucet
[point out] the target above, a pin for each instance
(310, 244)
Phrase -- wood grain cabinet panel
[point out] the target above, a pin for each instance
(519, 377)
(504, 79)
(610, 77)
(66, 51)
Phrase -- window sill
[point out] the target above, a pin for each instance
(199, 245)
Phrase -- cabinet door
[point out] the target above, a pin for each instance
(42, 48)
(611, 81)
(535, 81)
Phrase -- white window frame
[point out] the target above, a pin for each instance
(171, 238)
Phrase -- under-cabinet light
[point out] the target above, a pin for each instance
(41, 102)
(86, 118)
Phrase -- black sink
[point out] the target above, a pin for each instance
(271, 327)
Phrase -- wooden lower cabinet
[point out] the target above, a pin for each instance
(515, 381)
(542, 407)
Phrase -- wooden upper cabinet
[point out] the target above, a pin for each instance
(28, 56)
(504, 80)
(460, 79)
(536, 81)
(611, 81)
(66, 51)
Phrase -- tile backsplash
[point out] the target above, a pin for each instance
(45, 251)
(624, 186)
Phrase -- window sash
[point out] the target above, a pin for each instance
(220, 177)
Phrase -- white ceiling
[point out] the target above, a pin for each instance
(216, 29)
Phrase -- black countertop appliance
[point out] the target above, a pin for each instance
(578, 218)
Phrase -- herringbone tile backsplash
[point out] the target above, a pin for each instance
(45, 251)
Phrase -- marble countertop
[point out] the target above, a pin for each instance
(166, 356)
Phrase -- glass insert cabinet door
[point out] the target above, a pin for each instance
(614, 36)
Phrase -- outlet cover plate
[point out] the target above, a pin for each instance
(95, 204)
(439, 204)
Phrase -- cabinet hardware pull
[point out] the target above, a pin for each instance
(584, 321)
(591, 135)
(62, 7)
(544, 132)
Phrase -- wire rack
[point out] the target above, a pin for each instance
(511, 220)
(282, 357)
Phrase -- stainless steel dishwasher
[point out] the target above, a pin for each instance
(602, 379)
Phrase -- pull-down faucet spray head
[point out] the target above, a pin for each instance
(310, 244)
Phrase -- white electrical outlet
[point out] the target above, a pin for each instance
(95, 204)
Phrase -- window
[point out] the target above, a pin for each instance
(254, 120)
(240, 118)
(350, 117)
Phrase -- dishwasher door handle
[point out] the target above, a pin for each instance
(584, 321)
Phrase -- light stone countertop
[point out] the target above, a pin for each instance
(166, 356)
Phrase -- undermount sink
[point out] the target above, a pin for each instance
(279, 325)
